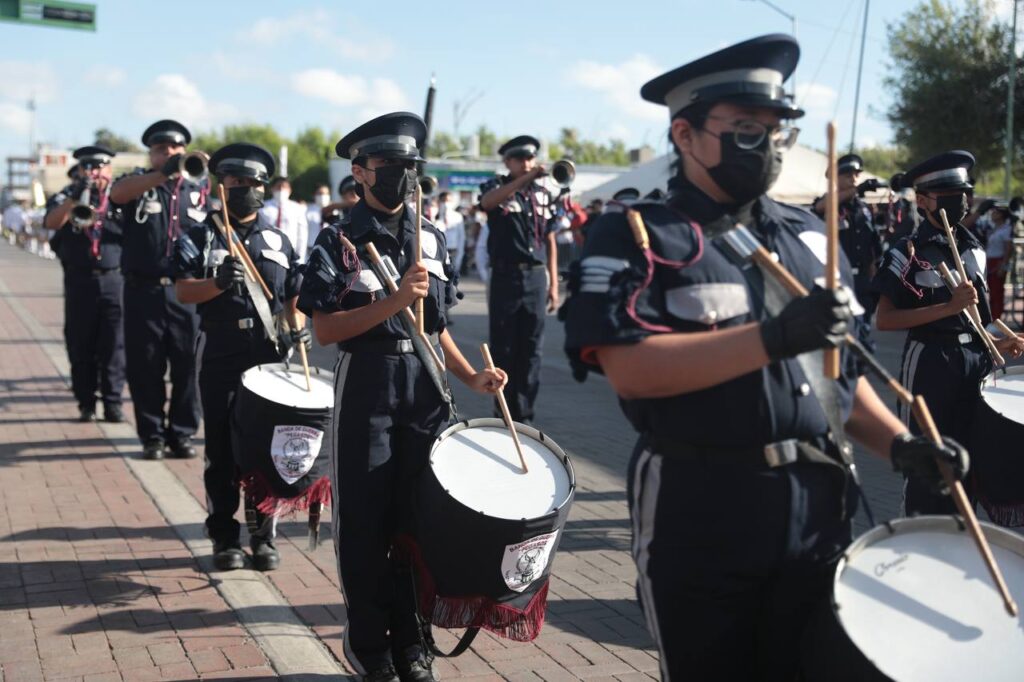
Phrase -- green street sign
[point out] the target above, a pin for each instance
(78, 15)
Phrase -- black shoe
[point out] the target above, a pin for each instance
(113, 414)
(86, 414)
(182, 449)
(153, 449)
(384, 673)
(264, 555)
(416, 666)
(228, 556)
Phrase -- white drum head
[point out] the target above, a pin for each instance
(287, 386)
(478, 466)
(1005, 393)
(921, 605)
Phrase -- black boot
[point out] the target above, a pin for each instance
(385, 673)
(228, 555)
(153, 449)
(113, 414)
(413, 665)
(182, 449)
(264, 555)
(86, 414)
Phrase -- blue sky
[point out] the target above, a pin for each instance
(538, 65)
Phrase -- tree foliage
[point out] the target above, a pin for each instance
(115, 142)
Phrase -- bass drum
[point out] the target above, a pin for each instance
(486, 533)
(997, 464)
(912, 601)
(281, 436)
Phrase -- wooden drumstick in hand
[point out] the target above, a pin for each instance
(418, 245)
(832, 233)
(489, 362)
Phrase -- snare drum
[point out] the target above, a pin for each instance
(281, 436)
(997, 455)
(486, 533)
(912, 600)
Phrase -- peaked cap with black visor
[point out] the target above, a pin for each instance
(945, 172)
(398, 135)
(747, 74)
(166, 130)
(243, 160)
(519, 147)
(93, 156)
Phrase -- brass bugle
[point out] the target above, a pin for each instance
(563, 172)
(83, 215)
(428, 185)
(194, 166)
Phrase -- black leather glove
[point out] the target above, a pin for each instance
(302, 336)
(76, 189)
(170, 168)
(917, 456)
(229, 272)
(870, 185)
(818, 320)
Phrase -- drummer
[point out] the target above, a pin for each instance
(389, 407)
(239, 333)
(741, 489)
(943, 359)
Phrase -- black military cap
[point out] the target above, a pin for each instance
(166, 131)
(520, 146)
(93, 155)
(626, 194)
(399, 135)
(73, 171)
(243, 160)
(655, 194)
(849, 163)
(347, 184)
(950, 170)
(750, 74)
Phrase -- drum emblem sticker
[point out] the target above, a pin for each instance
(525, 562)
(294, 449)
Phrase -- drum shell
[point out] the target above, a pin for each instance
(996, 465)
(253, 421)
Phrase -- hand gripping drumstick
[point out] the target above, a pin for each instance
(418, 245)
(972, 311)
(745, 246)
(247, 263)
(1006, 330)
(297, 322)
(990, 346)
(486, 352)
(831, 369)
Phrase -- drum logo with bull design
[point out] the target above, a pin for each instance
(524, 562)
(294, 449)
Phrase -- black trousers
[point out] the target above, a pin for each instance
(733, 563)
(94, 333)
(226, 355)
(159, 332)
(949, 377)
(517, 301)
(387, 414)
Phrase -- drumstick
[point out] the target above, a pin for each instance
(299, 322)
(832, 233)
(963, 505)
(418, 244)
(947, 277)
(247, 263)
(972, 310)
(1006, 330)
(489, 361)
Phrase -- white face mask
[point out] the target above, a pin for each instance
(323, 199)
(282, 194)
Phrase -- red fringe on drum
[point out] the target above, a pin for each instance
(504, 620)
(257, 487)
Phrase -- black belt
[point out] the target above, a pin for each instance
(948, 338)
(94, 272)
(244, 324)
(763, 458)
(383, 346)
(504, 267)
(136, 279)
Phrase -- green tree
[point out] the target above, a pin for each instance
(115, 142)
(884, 161)
(443, 143)
(948, 81)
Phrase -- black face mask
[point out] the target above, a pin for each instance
(955, 207)
(393, 184)
(244, 201)
(746, 174)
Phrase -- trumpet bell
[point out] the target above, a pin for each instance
(82, 216)
(428, 185)
(194, 166)
(563, 172)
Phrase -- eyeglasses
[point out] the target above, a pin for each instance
(749, 134)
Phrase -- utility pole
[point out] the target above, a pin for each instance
(461, 108)
(1009, 105)
(860, 70)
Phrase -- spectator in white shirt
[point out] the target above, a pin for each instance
(997, 254)
(314, 217)
(451, 222)
(288, 216)
(16, 218)
(480, 252)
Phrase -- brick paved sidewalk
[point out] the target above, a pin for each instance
(95, 583)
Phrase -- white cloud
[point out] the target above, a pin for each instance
(317, 26)
(15, 118)
(620, 84)
(373, 96)
(23, 80)
(819, 101)
(105, 76)
(174, 96)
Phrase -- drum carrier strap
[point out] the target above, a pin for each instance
(427, 633)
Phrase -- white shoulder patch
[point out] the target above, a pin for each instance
(366, 283)
(275, 256)
(273, 239)
(428, 243)
(816, 242)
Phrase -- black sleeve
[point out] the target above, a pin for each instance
(324, 276)
(188, 254)
(894, 275)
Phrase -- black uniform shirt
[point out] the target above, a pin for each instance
(858, 237)
(609, 305)
(518, 227)
(200, 251)
(147, 226)
(336, 281)
(75, 246)
(909, 275)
